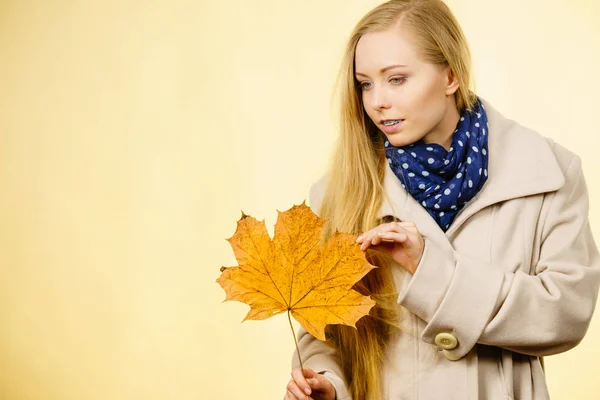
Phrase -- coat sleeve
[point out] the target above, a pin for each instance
(316, 354)
(542, 313)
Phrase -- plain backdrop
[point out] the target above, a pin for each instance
(133, 134)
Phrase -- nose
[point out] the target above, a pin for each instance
(379, 99)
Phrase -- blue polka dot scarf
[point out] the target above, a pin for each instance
(443, 181)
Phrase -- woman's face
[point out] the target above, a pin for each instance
(396, 84)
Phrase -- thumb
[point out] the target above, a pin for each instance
(318, 381)
(309, 373)
(311, 377)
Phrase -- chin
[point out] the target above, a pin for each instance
(400, 140)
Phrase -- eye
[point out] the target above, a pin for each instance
(398, 80)
(362, 85)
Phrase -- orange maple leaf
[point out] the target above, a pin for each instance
(292, 272)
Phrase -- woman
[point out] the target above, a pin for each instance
(478, 224)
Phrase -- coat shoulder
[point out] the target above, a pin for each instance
(564, 156)
(526, 143)
(538, 144)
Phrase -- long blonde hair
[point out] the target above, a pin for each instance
(355, 190)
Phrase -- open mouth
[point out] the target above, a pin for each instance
(391, 125)
(391, 122)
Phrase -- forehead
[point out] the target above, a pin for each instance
(376, 50)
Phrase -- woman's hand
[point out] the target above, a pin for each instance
(309, 385)
(401, 240)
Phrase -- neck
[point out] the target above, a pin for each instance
(443, 132)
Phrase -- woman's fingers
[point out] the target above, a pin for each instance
(392, 232)
(300, 380)
(393, 237)
(318, 386)
(391, 227)
(290, 396)
(409, 226)
(294, 392)
(388, 236)
(319, 382)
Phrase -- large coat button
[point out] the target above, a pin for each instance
(450, 356)
(446, 341)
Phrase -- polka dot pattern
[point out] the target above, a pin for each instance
(444, 181)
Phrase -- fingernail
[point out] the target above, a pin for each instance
(359, 239)
(307, 391)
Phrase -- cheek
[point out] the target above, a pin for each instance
(368, 110)
(427, 105)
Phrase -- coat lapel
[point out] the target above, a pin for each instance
(521, 163)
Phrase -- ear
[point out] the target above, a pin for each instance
(450, 81)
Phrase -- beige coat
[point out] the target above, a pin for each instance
(515, 278)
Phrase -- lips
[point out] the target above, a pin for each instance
(393, 127)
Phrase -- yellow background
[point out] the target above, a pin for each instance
(133, 133)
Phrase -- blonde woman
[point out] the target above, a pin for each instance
(479, 227)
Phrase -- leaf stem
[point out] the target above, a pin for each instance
(295, 341)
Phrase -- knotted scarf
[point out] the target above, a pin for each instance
(444, 181)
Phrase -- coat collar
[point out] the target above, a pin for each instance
(521, 163)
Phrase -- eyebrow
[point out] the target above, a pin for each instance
(384, 69)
